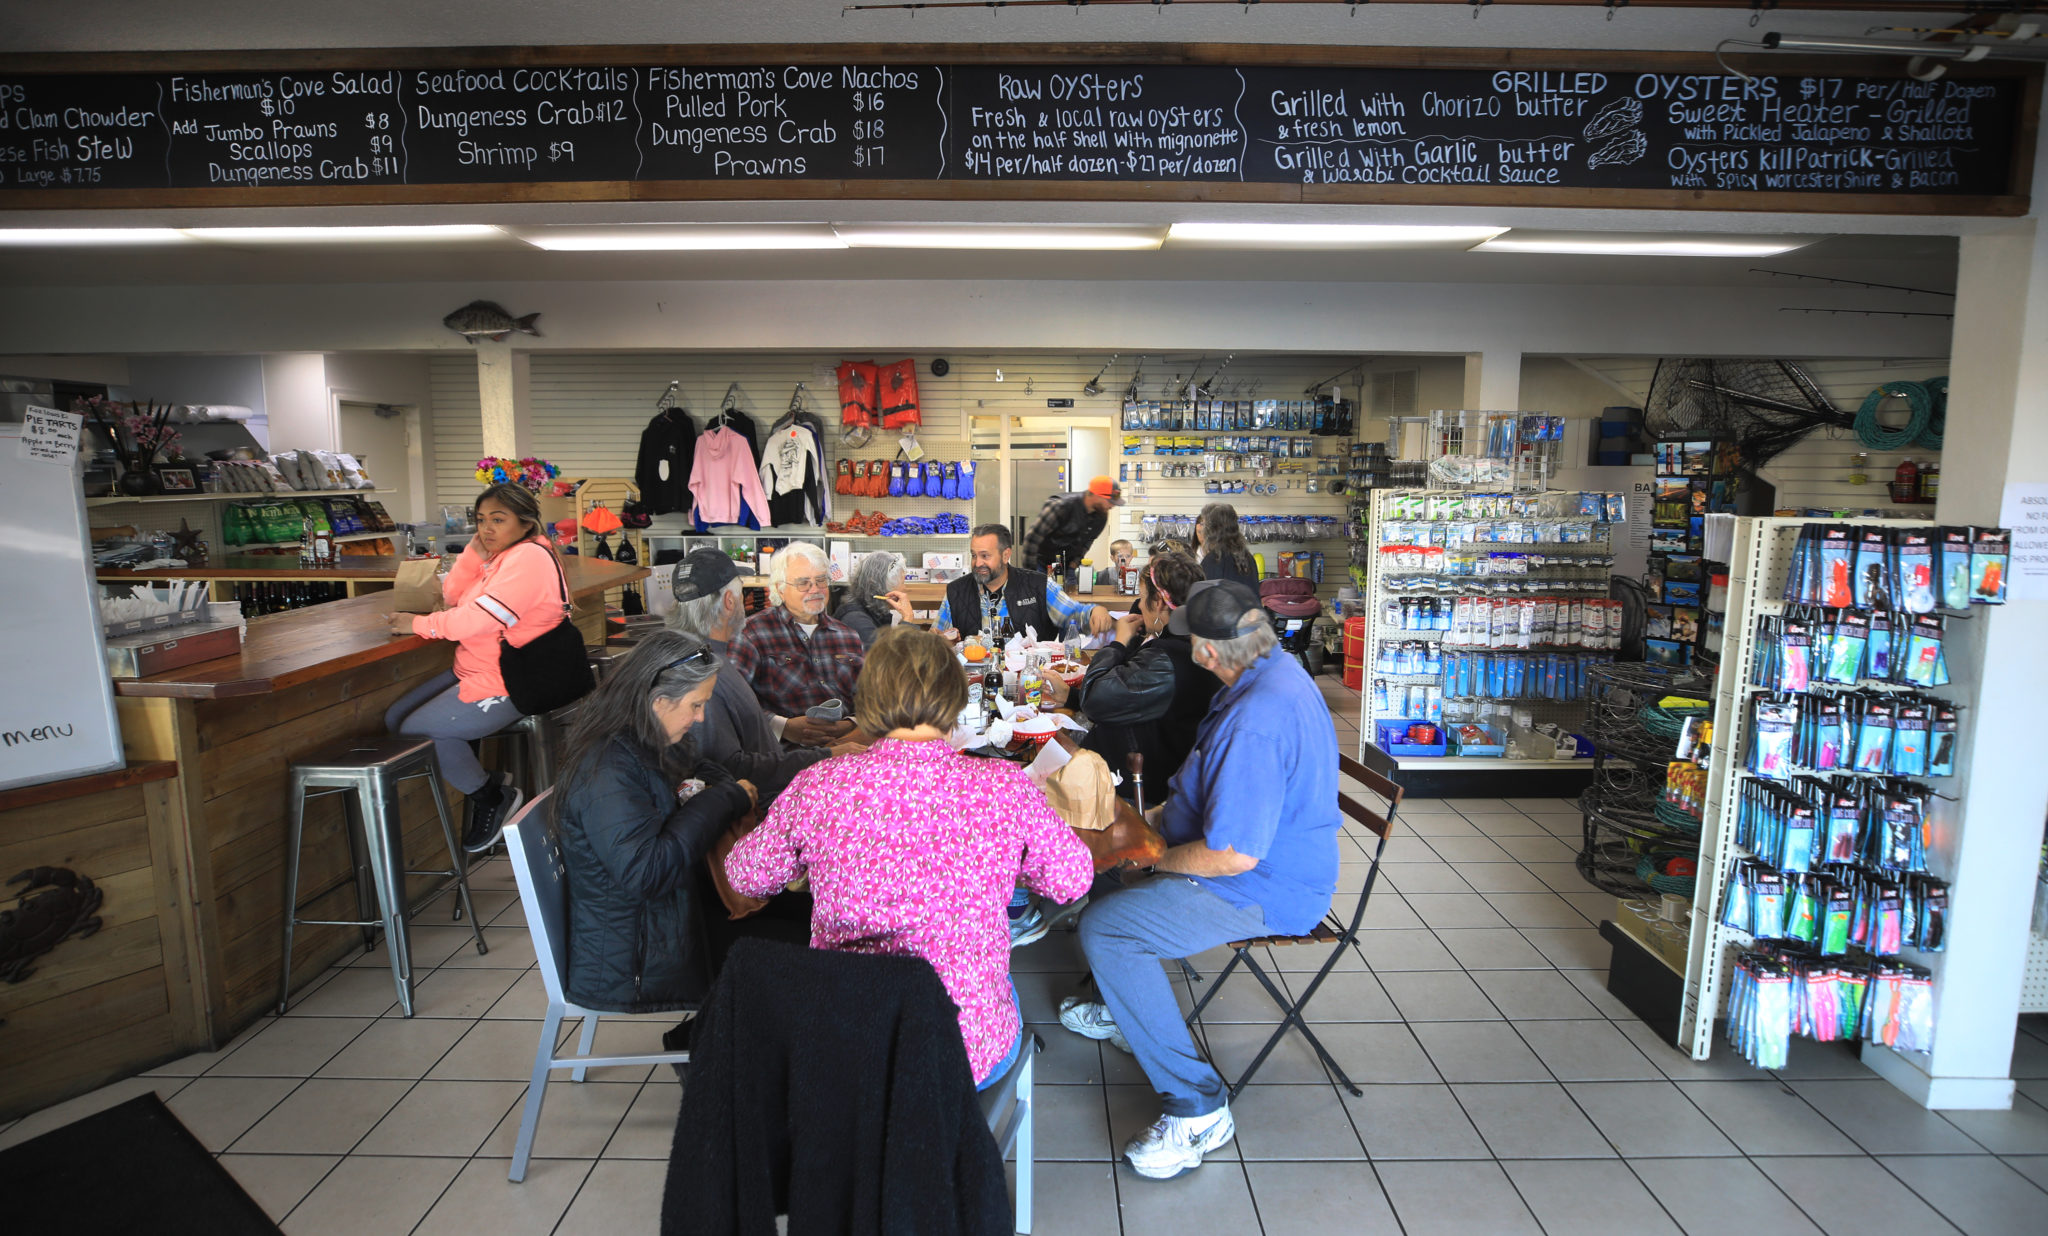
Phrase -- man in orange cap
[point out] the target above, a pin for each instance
(1068, 524)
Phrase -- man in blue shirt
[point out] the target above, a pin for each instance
(1252, 825)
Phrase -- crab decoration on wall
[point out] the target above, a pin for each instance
(56, 904)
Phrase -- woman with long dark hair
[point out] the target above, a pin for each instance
(874, 599)
(1220, 547)
(1144, 693)
(507, 587)
(637, 813)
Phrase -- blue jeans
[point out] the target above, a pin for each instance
(1126, 934)
(1003, 1066)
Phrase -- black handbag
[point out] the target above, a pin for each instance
(552, 671)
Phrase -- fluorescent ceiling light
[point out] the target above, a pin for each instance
(1642, 244)
(996, 236)
(54, 236)
(1355, 234)
(647, 238)
(346, 235)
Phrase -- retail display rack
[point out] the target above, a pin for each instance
(1484, 612)
(1762, 556)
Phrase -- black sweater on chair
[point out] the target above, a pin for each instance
(833, 1087)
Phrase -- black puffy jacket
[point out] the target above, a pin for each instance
(1148, 698)
(637, 879)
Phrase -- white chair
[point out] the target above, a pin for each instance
(543, 890)
(1011, 1097)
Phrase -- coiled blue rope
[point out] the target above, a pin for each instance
(1937, 424)
(1920, 409)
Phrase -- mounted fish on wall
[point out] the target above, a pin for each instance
(490, 320)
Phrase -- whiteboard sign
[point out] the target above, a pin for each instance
(2025, 511)
(57, 713)
(49, 436)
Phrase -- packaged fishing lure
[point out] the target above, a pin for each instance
(1941, 743)
(1793, 655)
(1954, 565)
(1910, 734)
(1873, 562)
(1834, 587)
(1925, 665)
(1844, 664)
(1775, 722)
(1913, 565)
(1990, 550)
(1877, 654)
(1874, 736)
(1845, 816)
(1831, 736)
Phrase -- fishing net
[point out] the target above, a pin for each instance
(1762, 406)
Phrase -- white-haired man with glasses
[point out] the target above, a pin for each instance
(797, 656)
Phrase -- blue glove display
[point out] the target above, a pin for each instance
(966, 478)
(913, 484)
(950, 486)
(896, 481)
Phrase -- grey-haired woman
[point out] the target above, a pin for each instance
(637, 813)
(874, 597)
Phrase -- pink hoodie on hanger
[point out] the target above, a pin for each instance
(722, 476)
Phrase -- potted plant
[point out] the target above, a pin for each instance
(147, 431)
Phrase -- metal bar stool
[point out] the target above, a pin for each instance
(536, 739)
(369, 770)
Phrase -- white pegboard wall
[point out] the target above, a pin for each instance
(2034, 979)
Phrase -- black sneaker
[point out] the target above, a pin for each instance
(487, 816)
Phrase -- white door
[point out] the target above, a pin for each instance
(378, 443)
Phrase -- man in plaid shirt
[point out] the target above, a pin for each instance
(795, 654)
(1068, 524)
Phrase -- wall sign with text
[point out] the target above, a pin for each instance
(656, 131)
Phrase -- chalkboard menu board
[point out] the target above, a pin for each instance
(626, 129)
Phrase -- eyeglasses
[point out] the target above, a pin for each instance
(805, 585)
(702, 654)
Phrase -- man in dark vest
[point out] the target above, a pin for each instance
(1021, 598)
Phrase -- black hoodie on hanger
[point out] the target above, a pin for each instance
(671, 438)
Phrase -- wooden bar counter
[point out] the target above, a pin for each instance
(188, 845)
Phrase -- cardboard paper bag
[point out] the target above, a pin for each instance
(1082, 792)
(416, 589)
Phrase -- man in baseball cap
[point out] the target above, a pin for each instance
(1251, 826)
(1068, 524)
(736, 730)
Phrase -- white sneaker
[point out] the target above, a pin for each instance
(1091, 1020)
(1176, 1144)
(1027, 928)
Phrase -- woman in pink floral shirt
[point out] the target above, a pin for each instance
(914, 849)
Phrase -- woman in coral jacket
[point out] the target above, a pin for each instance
(506, 587)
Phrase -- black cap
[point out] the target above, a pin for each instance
(703, 573)
(1214, 609)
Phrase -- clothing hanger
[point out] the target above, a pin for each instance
(668, 397)
(731, 401)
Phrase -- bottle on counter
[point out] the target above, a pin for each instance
(1930, 481)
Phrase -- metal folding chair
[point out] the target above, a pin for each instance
(544, 891)
(1337, 933)
(1008, 1107)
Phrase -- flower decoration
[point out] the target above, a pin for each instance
(529, 473)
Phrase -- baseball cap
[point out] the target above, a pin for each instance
(1214, 609)
(1103, 486)
(702, 573)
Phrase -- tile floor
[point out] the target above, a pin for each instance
(1505, 1091)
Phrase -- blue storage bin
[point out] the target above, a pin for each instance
(1392, 738)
